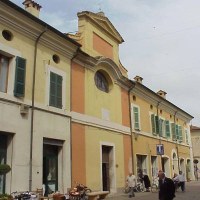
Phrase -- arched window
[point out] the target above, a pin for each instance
(101, 81)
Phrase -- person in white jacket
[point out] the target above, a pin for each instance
(131, 181)
(181, 180)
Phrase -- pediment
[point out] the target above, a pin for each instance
(104, 23)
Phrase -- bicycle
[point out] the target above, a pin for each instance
(79, 192)
(154, 185)
(139, 187)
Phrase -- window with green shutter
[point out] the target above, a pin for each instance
(20, 72)
(167, 128)
(55, 98)
(161, 128)
(186, 137)
(177, 132)
(153, 123)
(136, 118)
(173, 131)
(157, 124)
(180, 133)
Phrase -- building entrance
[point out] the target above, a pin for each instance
(50, 168)
(3, 155)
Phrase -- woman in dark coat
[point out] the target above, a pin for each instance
(146, 182)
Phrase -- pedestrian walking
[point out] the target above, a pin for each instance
(166, 188)
(181, 178)
(146, 182)
(131, 181)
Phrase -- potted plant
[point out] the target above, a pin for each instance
(4, 169)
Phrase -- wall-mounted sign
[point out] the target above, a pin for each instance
(160, 149)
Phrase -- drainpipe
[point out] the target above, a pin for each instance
(74, 56)
(131, 129)
(32, 108)
(176, 139)
(159, 102)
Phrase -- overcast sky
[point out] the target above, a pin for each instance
(162, 41)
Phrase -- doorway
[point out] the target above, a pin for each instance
(154, 168)
(141, 164)
(165, 165)
(107, 168)
(3, 155)
(50, 168)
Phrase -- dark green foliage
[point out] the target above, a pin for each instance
(4, 168)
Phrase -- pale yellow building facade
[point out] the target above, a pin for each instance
(157, 123)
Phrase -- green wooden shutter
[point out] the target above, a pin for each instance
(59, 91)
(136, 118)
(186, 137)
(157, 124)
(177, 132)
(180, 133)
(173, 131)
(55, 98)
(20, 72)
(167, 128)
(153, 125)
(161, 133)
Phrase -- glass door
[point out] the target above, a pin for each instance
(50, 168)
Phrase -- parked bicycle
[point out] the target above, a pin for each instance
(154, 185)
(138, 188)
(79, 192)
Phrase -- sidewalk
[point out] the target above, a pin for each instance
(192, 193)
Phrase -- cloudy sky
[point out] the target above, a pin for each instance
(162, 41)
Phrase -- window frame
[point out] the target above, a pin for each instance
(11, 53)
(5, 82)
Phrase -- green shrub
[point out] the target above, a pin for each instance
(4, 168)
(5, 197)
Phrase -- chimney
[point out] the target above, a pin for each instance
(138, 79)
(162, 93)
(32, 7)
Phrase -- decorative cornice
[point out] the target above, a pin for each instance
(31, 27)
(99, 123)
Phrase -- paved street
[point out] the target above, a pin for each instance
(192, 193)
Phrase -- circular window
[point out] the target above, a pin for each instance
(56, 58)
(102, 81)
(7, 35)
